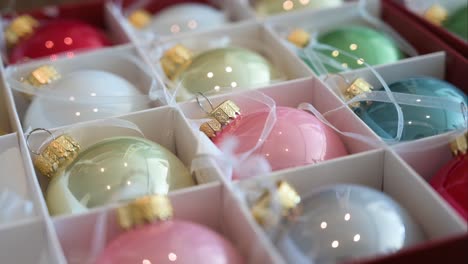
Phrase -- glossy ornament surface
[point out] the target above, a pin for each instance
(364, 43)
(457, 22)
(297, 138)
(229, 67)
(58, 36)
(185, 18)
(451, 182)
(115, 169)
(108, 95)
(346, 222)
(173, 241)
(419, 122)
(271, 7)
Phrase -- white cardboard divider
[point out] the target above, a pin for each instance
(427, 155)
(128, 65)
(6, 123)
(210, 206)
(28, 243)
(248, 34)
(381, 170)
(13, 177)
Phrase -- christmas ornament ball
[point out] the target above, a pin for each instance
(81, 96)
(297, 138)
(419, 122)
(346, 222)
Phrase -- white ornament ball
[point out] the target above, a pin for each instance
(82, 96)
(342, 223)
(186, 17)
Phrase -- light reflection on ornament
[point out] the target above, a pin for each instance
(288, 5)
(68, 41)
(356, 238)
(49, 44)
(335, 244)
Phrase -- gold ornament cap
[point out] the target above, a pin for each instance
(211, 128)
(357, 87)
(43, 75)
(19, 28)
(460, 145)
(175, 60)
(144, 210)
(139, 18)
(57, 155)
(289, 202)
(299, 37)
(436, 14)
(222, 115)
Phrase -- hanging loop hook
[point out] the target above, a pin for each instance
(29, 135)
(200, 104)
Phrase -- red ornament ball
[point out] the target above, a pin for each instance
(451, 182)
(59, 36)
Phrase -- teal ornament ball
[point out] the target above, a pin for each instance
(419, 122)
(364, 43)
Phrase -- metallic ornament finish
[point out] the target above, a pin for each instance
(297, 138)
(104, 89)
(457, 23)
(420, 122)
(451, 182)
(347, 222)
(116, 169)
(230, 67)
(185, 18)
(371, 46)
(183, 242)
(59, 36)
(271, 7)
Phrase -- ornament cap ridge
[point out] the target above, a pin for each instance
(57, 155)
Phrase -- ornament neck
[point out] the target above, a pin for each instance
(279, 203)
(460, 145)
(19, 28)
(144, 210)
